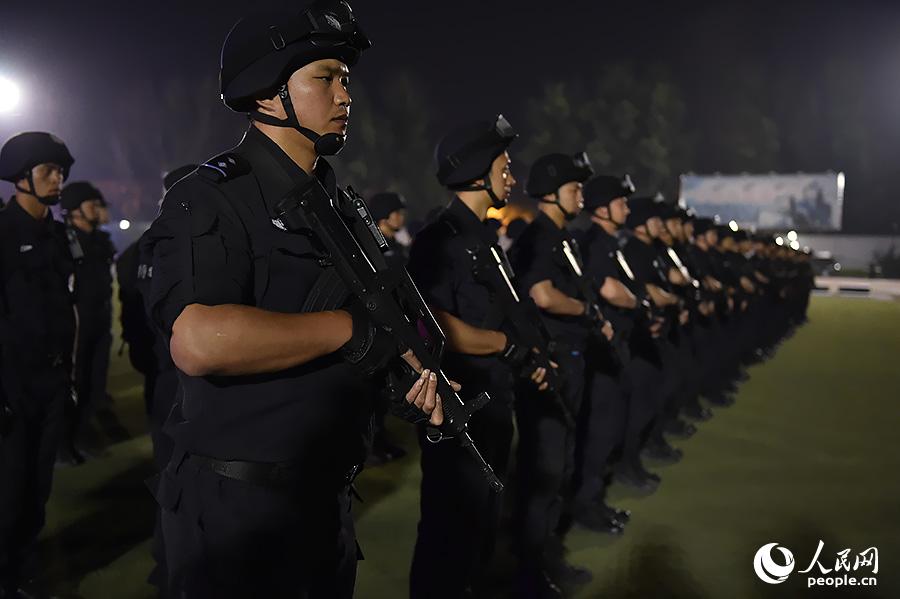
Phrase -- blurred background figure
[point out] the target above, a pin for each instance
(81, 204)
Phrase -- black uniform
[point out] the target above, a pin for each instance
(148, 351)
(277, 523)
(459, 512)
(646, 374)
(37, 329)
(606, 398)
(546, 450)
(94, 274)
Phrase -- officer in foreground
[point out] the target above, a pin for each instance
(37, 331)
(270, 432)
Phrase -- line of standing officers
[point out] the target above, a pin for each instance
(264, 372)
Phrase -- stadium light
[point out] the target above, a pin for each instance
(733, 225)
(124, 224)
(792, 236)
(795, 245)
(9, 95)
(779, 241)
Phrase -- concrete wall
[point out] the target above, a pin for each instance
(852, 251)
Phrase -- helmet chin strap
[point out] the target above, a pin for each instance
(496, 202)
(45, 200)
(569, 216)
(328, 144)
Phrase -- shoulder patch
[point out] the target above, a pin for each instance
(224, 167)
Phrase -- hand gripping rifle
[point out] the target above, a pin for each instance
(491, 268)
(353, 245)
(590, 293)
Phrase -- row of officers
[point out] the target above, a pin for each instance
(265, 363)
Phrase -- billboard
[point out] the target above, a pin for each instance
(804, 201)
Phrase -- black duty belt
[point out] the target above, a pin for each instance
(270, 474)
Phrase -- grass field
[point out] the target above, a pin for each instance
(809, 452)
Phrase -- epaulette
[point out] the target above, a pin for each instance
(224, 167)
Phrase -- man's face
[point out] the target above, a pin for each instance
(571, 197)
(90, 209)
(712, 238)
(674, 228)
(618, 211)
(654, 226)
(396, 220)
(321, 97)
(687, 228)
(103, 214)
(48, 180)
(502, 180)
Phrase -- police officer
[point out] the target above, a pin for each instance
(93, 270)
(607, 391)
(148, 351)
(37, 330)
(543, 256)
(269, 434)
(389, 212)
(651, 377)
(459, 512)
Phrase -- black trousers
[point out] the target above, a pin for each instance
(459, 512)
(643, 380)
(227, 538)
(601, 428)
(545, 460)
(27, 456)
(163, 395)
(91, 369)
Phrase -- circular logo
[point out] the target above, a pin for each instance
(766, 568)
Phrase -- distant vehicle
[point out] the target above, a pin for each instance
(825, 265)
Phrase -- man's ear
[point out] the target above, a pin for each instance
(271, 106)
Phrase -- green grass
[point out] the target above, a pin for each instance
(808, 452)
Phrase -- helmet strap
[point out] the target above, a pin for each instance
(45, 200)
(569, 216)
(328, 144)
(496, 202)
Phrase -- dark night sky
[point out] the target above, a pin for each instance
(75, 60)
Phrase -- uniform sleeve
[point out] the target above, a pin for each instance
(431, 268)
(599, 265)
(640, 263)
(200, 255)
(532, 261)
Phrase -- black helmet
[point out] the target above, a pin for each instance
(552, 171)
(381, 205)
(468, 153)
(641, 210)
(702, 225)
(24, 151)
(77, 192)
(176, 175)
(262, 51)
(602, 190)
